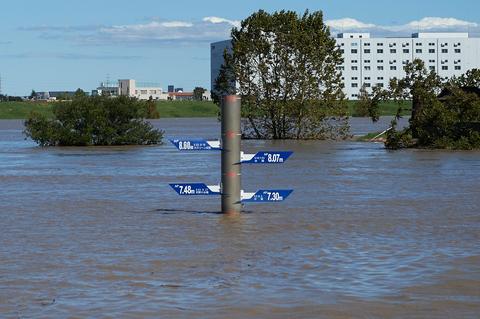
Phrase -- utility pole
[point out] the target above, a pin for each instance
(231, 137)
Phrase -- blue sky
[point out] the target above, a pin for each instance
(63, 45)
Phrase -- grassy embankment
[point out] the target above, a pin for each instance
(386, 108)
(21, 110)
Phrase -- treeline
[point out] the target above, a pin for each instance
(7, 98)
(445, 114)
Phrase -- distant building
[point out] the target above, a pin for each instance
(105, 90)
(61, 94)
(178, 89)
(128, 87)
(54, 95)
(374, 62)
(207, 96)
(216, 59)
(171, 89)
(42, 96)
(181, 96)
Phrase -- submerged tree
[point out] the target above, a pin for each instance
(368, 104)
(443, 115)
(198, 93)
(96, 120)
(419, 85)
(285, 67)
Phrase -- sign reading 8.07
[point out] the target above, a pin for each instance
(266, 158)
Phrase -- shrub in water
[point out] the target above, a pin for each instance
(99, 120)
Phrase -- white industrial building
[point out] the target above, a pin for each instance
(105, 89)
(129, 88)
(374, 61)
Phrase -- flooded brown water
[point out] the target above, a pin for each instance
(367, 233)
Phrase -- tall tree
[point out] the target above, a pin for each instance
(470, 79)
(284, 66)
(419, 85)
(198, 93)
(447, 120)
(79, 93)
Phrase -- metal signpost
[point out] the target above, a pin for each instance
(230, 188)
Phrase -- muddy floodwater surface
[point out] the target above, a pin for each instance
(367, 233)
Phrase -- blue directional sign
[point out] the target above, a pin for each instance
(266, 196)
(196, 145)
(266, 157)
(193, 189)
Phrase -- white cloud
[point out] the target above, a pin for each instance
(216, 20)
(209, 29)
(428, 23)
(154, 32)
(425, 24)
(177, 24)
(348, 24)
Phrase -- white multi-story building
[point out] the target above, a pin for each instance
(373, 62)
(129, 88)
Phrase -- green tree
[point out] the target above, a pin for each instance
(63, 96)
(449, 120)
(33, 94)
(419, 85)
(79, 93)
(470, 79)
(198, 93)
(368, 104)
(285, 67)
(151, 109)
(95, 120)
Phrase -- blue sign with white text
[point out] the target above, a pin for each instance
(196, 145)
(266, 157)
(267, 196)
(193, 189)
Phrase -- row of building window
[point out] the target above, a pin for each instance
(355, 85)
(367, 51)
(355, 78)
(146, 91)
(404, 62)
(394, 68)
(406, 44)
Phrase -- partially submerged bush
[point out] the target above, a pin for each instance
(97, 120)
(444, 115)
